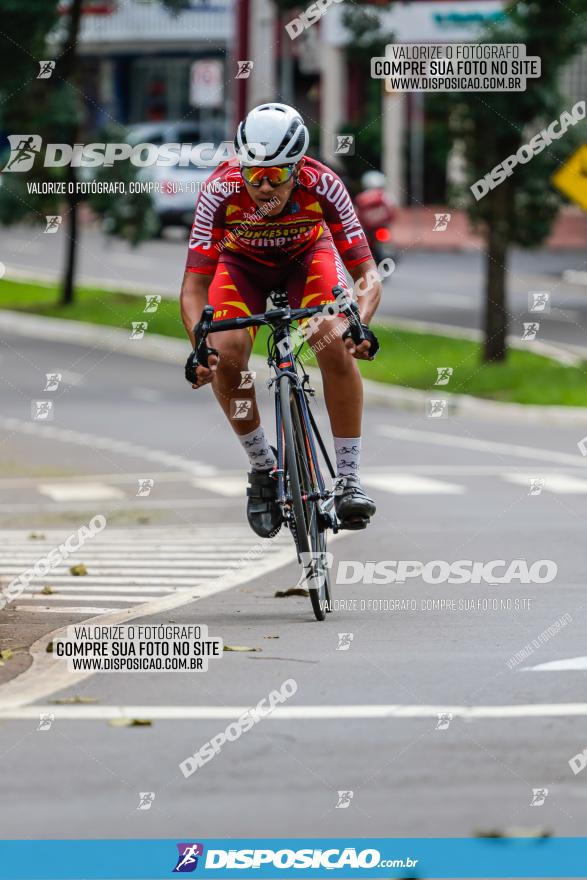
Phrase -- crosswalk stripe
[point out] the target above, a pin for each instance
(230, 486)
(411, 484)
(563, 484)
(73, 609)
(570, 664)
(79, 491)
(133, 566)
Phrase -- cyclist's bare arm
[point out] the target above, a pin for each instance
(192, 299)
(369, 296)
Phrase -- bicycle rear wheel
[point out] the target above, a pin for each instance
(308, 529)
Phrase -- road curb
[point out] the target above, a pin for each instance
(164, 348)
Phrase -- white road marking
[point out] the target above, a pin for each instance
(230, 486)
(572, 664)
(79, 491)
(563, 484)
(107, 443)
(513, 449)
(292, 713)
(411, 484)
(46, 609)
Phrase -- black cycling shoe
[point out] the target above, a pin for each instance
(263, 512)
(353, 507)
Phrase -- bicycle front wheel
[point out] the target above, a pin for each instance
(308, 531)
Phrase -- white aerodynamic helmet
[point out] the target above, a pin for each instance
(271, 134)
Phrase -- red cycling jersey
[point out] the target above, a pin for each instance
(227, 221)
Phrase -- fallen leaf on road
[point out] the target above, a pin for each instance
(46, 591)
(293, 591)
(78, 570)
(129, 722)
(64, 701)
(240, 648)
(271, 637)
(36, 536)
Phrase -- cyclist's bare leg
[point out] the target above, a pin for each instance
(235, 350)
(343, 388)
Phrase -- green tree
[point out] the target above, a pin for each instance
(493, 125)
(33, 30)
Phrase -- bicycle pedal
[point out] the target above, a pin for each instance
(355, 525)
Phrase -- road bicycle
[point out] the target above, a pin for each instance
(307, 506)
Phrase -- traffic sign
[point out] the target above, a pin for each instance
(571, 178)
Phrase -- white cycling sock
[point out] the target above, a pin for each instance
(348, 456)
(258, 449)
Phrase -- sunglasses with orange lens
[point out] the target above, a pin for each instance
(276, 175)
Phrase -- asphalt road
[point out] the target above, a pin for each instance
(446, 490)
(442, 288)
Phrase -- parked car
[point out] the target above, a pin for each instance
(174, 197)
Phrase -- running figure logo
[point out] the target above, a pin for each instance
(23, 150)
(344, 800)
(539, 301)
(152, 302)
(530, 331)
(53, 222)
(187, 860)
(345, 145)
(46, 68)
(441, 222)
(539, 795)
(245, 68)
(443, 375)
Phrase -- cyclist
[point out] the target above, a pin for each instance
(283, 220)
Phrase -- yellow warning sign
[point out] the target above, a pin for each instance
(571, 178)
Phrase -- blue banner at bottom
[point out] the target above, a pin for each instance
(409, 857)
